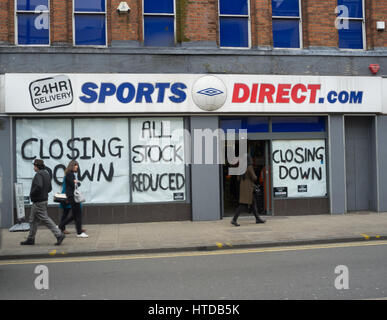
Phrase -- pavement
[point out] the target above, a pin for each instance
(152, 237)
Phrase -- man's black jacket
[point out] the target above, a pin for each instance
(41, 186)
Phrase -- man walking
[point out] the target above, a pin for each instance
(41, 186)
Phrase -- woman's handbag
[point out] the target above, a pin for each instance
(257, 189)
(78, 196)
(60, 197)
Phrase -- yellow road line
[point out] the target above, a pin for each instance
(192, 254)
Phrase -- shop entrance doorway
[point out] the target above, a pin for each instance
(259, 151)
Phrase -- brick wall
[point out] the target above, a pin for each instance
(197, 20)
(60, 22)
(7, 33)
(376, 10)
(125, 27)
(3, 21)
(319, 23)
(261, 31)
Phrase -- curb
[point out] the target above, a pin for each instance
(191, 249)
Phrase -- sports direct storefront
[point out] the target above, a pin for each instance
(188, 93)
(136, 139)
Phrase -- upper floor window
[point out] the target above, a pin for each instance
(89, 22)
(351, 24)
(33, 22)
(286, 23)
(234, 23)
(159, 23)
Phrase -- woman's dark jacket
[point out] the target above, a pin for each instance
(70, 185)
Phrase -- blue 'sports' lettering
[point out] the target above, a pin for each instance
(126, 92)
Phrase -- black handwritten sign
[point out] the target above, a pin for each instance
(101, 146)
(157, 157)
(71, 150)
(300, 166)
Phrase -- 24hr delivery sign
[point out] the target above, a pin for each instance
(162, 93)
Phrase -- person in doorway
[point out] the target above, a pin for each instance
(71, 183)
(40, 188)
(246, 189)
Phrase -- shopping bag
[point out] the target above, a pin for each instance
(78, 196)
(60, 197)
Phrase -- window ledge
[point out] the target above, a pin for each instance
(191, 50)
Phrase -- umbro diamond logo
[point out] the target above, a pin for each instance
(210, 92)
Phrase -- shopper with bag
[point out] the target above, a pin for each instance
(66, 207)
(74, 198)
(246, 189)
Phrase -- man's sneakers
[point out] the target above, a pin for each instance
(82, 235)
(60, 239)
(28, 242)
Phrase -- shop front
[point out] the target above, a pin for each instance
(123, 160)
(142, 142)
(289, 156)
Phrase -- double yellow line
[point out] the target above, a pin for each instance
(190, 254)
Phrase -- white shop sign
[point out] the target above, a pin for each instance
(19, 199)
(157, 159)
(147, 162)
(189, 93)
(101, 147)
(52, 92)
(299, 168)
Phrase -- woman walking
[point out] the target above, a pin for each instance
(71, 183)
(246, 189)
(66, 207)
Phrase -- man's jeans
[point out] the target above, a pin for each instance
(39, 214)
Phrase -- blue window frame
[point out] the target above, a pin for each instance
(278, 124)
(286, 19)
(89, 22)
(351, 26)
(298, 124)
(33, 22)
(251, 124)
(159, 23)
(234, 23)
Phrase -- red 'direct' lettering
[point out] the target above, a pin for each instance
(236, 98)
(267, 91)
(254, 93)
(313, 92)
(283, 93)
(295, 93)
